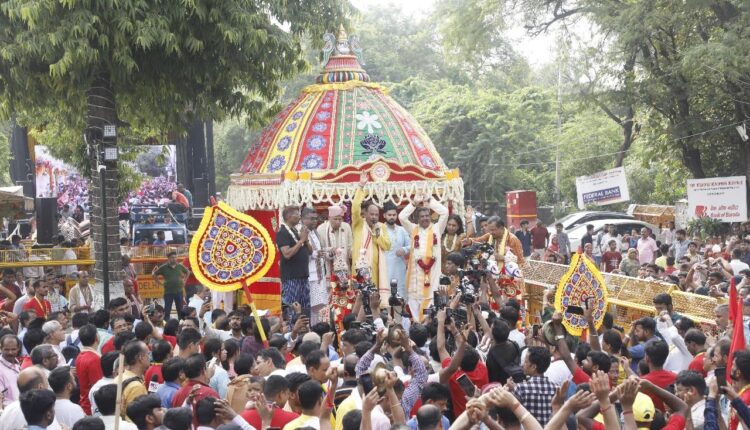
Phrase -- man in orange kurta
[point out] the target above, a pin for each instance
(502, 239)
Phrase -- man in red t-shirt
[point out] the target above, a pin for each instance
(161, 351)
(695, 341)
(275, 394)
(656, 354)
(39, 303)
(679, 409)
(612, 258)
(539, 238)
(88, 364)
(118, 325)
(471, 366)
(195, 372)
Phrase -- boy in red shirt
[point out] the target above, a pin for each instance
(656, 354)
(161, 351)
(88, 364)
(39, 303)
(612, 258)
(275, 394)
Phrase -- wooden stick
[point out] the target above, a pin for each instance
(255, 314)
(118, 403)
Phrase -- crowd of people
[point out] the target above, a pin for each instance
(425, 337)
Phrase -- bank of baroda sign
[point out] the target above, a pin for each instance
(719, 198)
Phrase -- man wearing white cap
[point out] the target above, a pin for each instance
(336, 238)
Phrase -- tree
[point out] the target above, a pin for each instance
(87, 64)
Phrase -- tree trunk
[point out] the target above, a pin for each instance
(101, 111)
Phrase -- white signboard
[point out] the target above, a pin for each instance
(720, 198)
(603, 188)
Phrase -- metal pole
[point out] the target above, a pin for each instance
(559, 127)
(105, 239)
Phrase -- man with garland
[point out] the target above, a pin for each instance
(336, 238)
(317, 280)
(370, 240)
(397, 254)
(423, 272)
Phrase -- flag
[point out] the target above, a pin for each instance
(738, 332)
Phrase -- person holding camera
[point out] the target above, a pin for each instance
(423, 272)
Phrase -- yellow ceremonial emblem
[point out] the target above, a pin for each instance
(581, 286)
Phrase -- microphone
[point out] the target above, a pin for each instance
(153, 385)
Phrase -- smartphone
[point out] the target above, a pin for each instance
(366, 381)
(465, 383)
(535, 330)
(577, 310)
(721, 376)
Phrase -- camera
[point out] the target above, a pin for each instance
(395, 299)
(363, 283)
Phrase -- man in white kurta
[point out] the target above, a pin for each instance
(317, 280)
(423, 272)
(336, 239)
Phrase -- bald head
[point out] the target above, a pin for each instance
(429, 418)
(32, 378)
(350, 365)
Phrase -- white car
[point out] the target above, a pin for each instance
(624, 226)
(576, 219)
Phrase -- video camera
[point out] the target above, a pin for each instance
(364, 284)
(395, 299)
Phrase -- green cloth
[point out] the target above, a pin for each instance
(174, 278)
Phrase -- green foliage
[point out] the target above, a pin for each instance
(232, 142)
(168, 62)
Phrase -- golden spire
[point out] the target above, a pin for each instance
(343, 37)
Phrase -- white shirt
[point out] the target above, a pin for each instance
(109, 423)
(13, 419)
(94, 388)
(738, 266)
(517, 337)
(67, 412)
(696, 414)
(196, 302)
(18, 306)
(679, 357)
(558, 372)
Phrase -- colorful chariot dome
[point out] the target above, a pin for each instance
(315, 148)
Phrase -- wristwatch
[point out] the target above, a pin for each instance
(560, 337)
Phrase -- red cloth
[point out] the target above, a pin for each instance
(109, 345)
(596, 425)
(478, 376)
(538, 236)
(181, 199)
(89, 370)
(36, 305)
(611, 260)
(171, 339)
(26, 363)
(155, 369)
(662, 379)
(580, 377)
(190, 279)
(734, 420)
(676, 422)
(280, 417)
(738, 334)
(182, 393)
(697, 364)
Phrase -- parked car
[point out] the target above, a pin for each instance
(624, 226)
(573, 220)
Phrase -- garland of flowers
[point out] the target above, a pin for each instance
(426, 262)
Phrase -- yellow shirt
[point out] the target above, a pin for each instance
(377, 244)
(349, 404)
(131, 391)
(302, 421)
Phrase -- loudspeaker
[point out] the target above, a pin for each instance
(46, 220)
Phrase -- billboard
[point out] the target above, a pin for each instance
(157, 165)
(719, 198)
(603, 188)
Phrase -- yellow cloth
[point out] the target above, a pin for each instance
(345, 407)
(359, 233)
(131, 391)
(300, 421)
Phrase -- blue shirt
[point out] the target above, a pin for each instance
(637, 352)
(166, 392)
(412, 423)
(525, 239)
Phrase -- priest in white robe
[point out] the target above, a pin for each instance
(423, 272)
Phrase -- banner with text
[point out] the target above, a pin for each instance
(603, 188)
(720, 198)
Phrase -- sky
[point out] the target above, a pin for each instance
(538, 50)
